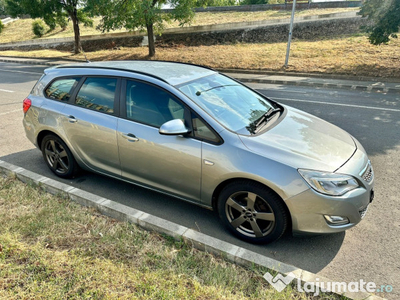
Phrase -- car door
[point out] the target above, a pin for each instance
(170, 163)
(90, 123)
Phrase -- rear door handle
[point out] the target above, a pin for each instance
(130, 137)
(72, 119)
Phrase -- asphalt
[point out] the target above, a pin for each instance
(384, 85)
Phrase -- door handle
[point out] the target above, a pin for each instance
(72, 119)
(130, 137)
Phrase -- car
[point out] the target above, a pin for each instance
(199, 135)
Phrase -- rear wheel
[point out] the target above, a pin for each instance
(58, 157)
(252, 212)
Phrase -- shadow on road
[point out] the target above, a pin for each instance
(309, 253)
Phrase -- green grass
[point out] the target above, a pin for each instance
(52, 248)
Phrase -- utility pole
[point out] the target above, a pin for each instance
(290, 34)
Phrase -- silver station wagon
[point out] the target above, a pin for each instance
(191, 132)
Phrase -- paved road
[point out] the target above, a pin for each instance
(370, 251)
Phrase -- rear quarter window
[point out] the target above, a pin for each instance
(61, 89)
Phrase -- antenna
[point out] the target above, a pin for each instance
(84, 54)
(88, 61)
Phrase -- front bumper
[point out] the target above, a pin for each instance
(309, 207)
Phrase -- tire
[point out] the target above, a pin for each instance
(58, 157)
(252, 212)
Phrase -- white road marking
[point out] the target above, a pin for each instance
(24, 72)
(11, 111)
(7, 91)
(338, 104)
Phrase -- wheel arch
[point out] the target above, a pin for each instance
(42, 134)
(223, 184)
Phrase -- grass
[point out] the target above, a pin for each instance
(345, 55)
(21, 30)
(52, 248)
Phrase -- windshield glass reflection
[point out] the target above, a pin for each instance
(233, 105)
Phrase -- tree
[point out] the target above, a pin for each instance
(385, 17)
(53, 12)
(2, 8)
(141, 15)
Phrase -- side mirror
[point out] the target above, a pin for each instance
(173, 127)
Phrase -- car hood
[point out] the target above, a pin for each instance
(303, 141)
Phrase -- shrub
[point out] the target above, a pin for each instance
(62, 21)
(38, 28)
(1, 26)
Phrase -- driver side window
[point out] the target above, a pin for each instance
(150, 105)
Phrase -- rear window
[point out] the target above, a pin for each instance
(61, 89)
(97, 93)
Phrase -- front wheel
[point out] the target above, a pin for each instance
(58, 157)
(252, 212)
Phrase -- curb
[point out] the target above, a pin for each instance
(39, 61)
(368, 88)
(358, 87)
(203, 242)
(305, 74)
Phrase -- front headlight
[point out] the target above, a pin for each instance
(329, 183)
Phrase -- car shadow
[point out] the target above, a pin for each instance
(312, 253)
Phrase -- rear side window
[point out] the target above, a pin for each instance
(61, 89)
(97, 93)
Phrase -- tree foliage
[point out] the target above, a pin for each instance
(38, 28)
(141, 15)
(53, 12)
(3, 9)
(385, 17)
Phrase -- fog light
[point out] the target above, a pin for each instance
(336, 220)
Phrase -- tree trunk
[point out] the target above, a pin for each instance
(150, 35)
(75, 22)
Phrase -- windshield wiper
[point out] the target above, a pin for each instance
(198, 93)
(263, 119)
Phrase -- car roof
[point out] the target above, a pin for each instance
(173, 73)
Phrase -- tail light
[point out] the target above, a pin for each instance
(26, 105)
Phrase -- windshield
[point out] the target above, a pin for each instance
(230, 103)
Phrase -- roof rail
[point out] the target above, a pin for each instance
(110, 68)
(178, 62)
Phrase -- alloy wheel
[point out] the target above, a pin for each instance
(57, 157)
(250, 214)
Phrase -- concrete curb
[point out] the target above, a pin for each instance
(358, 87)
(149, 222)
(304, 74)
(37, 61)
